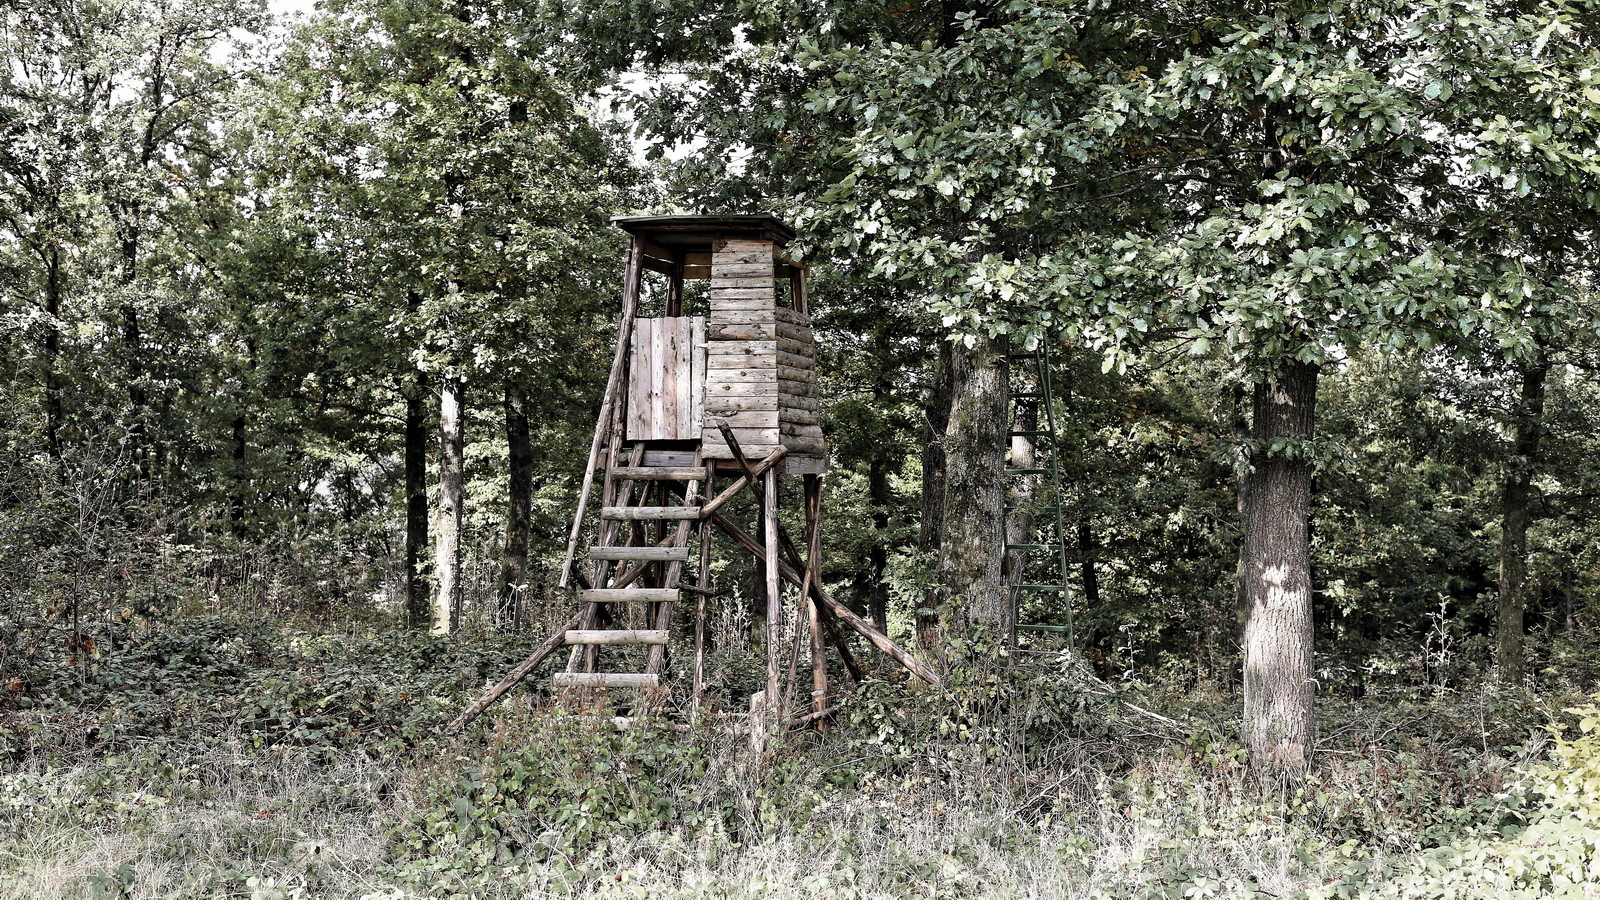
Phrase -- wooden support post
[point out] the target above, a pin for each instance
(838, 610)
(769, 531)
(819, 658)
(697, 692)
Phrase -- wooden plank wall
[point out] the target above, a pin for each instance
(799, 426)
(665, 383)
(761, 364)
(741, 364)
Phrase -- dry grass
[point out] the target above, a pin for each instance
(274, 825)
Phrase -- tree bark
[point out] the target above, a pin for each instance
(878, 553)
(1086, 566)
(1527, 429)
(416, 503)
(936, 422)
(1279, 729)
(972, 590)
(452, 496)
(52, 354)
(519, 506)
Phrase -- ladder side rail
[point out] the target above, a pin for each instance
(674, 573)
(1048, 399)
(606, 421)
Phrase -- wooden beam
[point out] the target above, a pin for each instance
(743, 482)
(769, 532)
(604, 423)
(605, 679)
(515, 675)
(629, 595)
(616, 636)
(838, 610)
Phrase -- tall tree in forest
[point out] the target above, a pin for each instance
(1527, 427)
(1331, 220)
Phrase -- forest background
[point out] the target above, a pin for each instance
(1318, 281)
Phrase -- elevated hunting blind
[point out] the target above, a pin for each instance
(721, 384)
(750, 361)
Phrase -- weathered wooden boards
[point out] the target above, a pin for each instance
(760, 358)
(798, 426)
(666, 379)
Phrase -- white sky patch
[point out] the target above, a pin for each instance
(284, 8)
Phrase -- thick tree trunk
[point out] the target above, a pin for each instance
(452, 497)
(1527, 429)
(1275, 570)
(972, 591)
(936, 422)
(519, 506)
(238, 502)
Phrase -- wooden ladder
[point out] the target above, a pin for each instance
(631, 567)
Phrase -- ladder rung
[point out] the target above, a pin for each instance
(629, 595)
(1037, 509)
(1044, 628)
(1032, 546)
(617, 636)
(1035, 470)
(1042, 587)
(652, 554)
(605, 679)
(649, 513)
(674, 473)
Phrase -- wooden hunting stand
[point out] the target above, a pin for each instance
(691, 399)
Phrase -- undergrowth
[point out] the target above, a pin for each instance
(232, 760)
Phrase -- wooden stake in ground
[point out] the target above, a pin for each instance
(819, 657)
(769, 531)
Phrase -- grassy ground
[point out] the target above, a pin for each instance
(252, 764)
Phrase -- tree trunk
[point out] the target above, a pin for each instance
(52, 354)
(936, 422)
(878, 553)
(1569, 600)
(1527, 429)
(416, 489)
(519, 506)
(972, 591)
(133, 347)
(1086, 566)
(452, 496)
(1275, 569)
